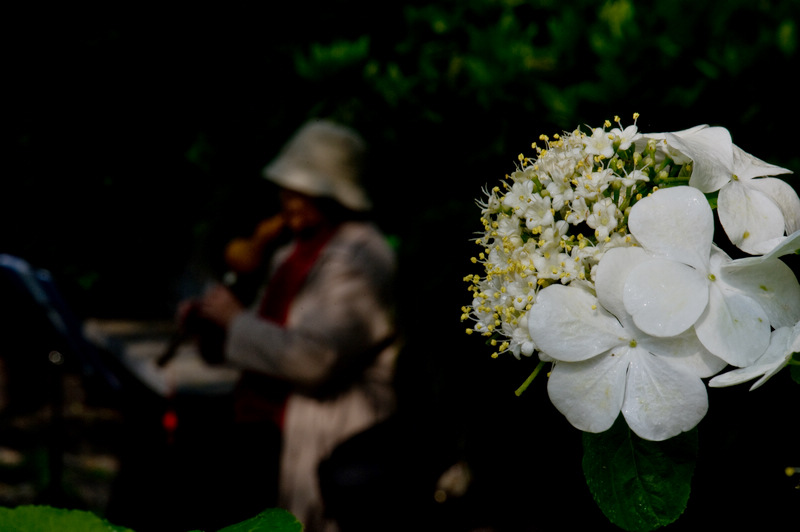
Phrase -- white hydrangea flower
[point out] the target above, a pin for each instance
(598, 257)
(600, 143)
(539, 212)
(633, 178)
(519, 342)
(606, 365)
(508, 228)
(561, 192)
(680, 280)
(578, 211)
(768, 280)
(625, 137)
(755, 213)
(604, 218)
(520, 195)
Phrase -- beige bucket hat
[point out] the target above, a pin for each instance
(322, 159)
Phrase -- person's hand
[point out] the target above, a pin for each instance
(244, 255)
(270, 229)
(220, 306)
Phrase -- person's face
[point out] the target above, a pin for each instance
(300, 212)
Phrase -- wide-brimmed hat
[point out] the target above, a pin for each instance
(322, 159)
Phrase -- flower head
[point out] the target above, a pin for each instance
(598, 256)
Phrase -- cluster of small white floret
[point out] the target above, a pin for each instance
(552, 219)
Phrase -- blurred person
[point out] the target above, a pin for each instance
(317, 348)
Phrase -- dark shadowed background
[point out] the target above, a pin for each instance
(133, 141)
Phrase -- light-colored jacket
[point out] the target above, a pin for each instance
(344, 308)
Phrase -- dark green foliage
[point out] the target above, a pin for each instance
(640, 485)
(272, 520)
(49, 519)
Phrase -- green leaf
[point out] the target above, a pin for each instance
(794, 369)
(49, 519)
(712, 199)
(272, 520)
(639, 485)
(324, 60)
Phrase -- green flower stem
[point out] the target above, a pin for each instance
(671, 181)
(666, 163)
(529, 380)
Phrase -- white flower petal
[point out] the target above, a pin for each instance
(773, 360)
(772, 284)
(612, 272)
(674, 223)
(711, 150)
(665, 297)
(734, 327)
(746, 166)
(779, 343)
(737, 376)
(784, 197)
(690, 131)
(661, 399)
(791, 244)
(686, 351)
(748, 216)
(568, 324)
(543, 357)
(784, 246)
(665, 149)
(771, 371)
(793, 346)
(590, 393)
(764, 247)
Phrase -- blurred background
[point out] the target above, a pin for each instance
(133, 140)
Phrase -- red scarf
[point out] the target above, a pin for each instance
(258, 396)
(290, 276)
